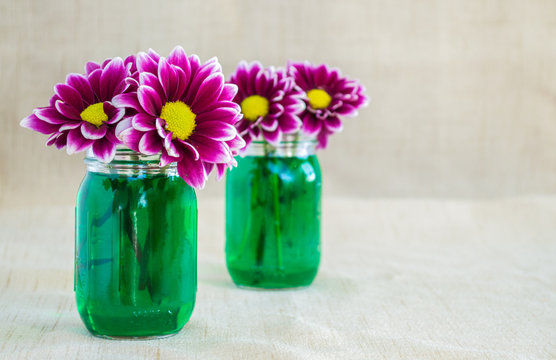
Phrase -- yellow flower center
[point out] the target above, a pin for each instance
(94, 114)
(254, 106)
(318, 99)
(180, 120)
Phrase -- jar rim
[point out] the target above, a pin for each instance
(291, 145)
(128, 162)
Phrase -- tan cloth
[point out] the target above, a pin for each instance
(400, 279)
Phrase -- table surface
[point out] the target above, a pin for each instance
(399, 279)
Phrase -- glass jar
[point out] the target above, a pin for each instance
(136, 247)
(273, 212)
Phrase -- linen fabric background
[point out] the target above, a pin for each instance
(439, 201)
(463, 93)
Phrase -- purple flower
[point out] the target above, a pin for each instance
(182, 109)
(269, 102)
(81, 114)
(328, 95)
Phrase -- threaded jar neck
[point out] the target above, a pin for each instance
(129, 162)
(291, 145)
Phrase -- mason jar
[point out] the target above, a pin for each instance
(135, 247)
(273, 212)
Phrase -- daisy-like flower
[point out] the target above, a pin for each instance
(328, 96)
(183, 110)
(81, 114)
(269, 102)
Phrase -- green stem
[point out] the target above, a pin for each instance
(129, 271)
(275, 181)
(247, 229)
(278, 233)
(261, 173)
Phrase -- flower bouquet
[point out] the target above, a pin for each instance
(273, 198)
(154, 128)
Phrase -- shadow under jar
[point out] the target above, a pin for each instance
(135, 247)
(273, 212)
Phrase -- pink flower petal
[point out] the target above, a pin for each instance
(269, 123)
(150, 143)
(226, 114)
(58, 139)
(166, 159)
(153, 81)
(50, 115)
(52, 138)
(322, 139)
(252, 72)
(182, 81)
(293, 104)
(263, 82)
(179, 58)
(347, 110)
(210, 150)
(70, 125)
(111, 79)
(69, 96)
(90, 131)
(143, 122)
(272, 137)
(276, 109)
(127, 101)
(132, 83)
(208, 168)
(67, 110)
(243, 126)
(76, 141)
(146, 64)
(94, 80)
(122, 125)
(184, 146)
(229, 91)
(241, 79)
(199, 77)
(81, 84)
(115, 114)
(289, 123)
(169, 146)
(104, 150)
(216, 130)
(149, 100)
(154, 55)
(194, 63)
(333, 124)
(220, 171)
(236, 143)
(34, 123)
(311, 126)
(208, 93)
(91, 66)
(130, 137)
(168, 79)
(61, 141)
(166, 76)
(278, 95)
(160, 127)
(111, 135)
(335, 104)
(192, 171)
(320, 75)
(333, 77)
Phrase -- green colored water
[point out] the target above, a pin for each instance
(273, 221)
(136, 255)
